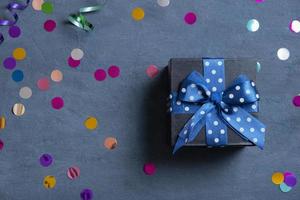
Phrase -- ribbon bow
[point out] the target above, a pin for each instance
(217, 108)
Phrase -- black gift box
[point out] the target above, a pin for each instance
(180, 68)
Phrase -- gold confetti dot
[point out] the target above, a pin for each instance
(19, 54)
(49, 182)
(138, 14)
(18, 109)
(91, 123)
(277, 178)
(110, 143)
(2, 122)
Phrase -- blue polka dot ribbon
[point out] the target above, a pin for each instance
(217, 108)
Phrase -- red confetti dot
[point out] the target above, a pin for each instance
(43, 84)
(49, 25)
(149, 168)
(296, 101)
(114, 71)
(73, 63)
(152, 71)
(100, 74)
(57, 103)
(190, 18)
(1, 144)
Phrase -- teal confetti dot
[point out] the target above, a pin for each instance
(258, 67)
(284, 187)
(17, 75)
(253, 25)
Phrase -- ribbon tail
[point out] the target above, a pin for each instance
(179, 143)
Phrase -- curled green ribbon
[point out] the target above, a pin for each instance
(79, 20)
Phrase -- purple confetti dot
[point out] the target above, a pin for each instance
(73, 63)
(86, 194)
(296, 101)
(100, 74)
(9, 63)
(290, 180)
(190, 18)
(14, 31)
(46, 160)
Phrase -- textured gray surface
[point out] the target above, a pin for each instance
(132, 108)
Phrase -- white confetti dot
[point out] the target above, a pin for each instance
(77, 54)
(220, 63)
(253, 106)
(183, 90)
(25, 92)
(186, 108)
(216, 140)
(193, 85)
(252, 130)
(231, 96)
(257, 96)
(216, 123)
(295, 26)
(209, 132)
(186, 140)
(235, 109)
(222, 131)
(202, 112)
(192, 98)
(208, 93)
(226, 110)
(242, 129)
(185, 132)
(220, 80)
(283, 54)
(170, 96)
(228, 118)
(237, 87)
(178, 103)
(214, 89)
(163, 3)
(252, 25)
(206, 63)
(207, 80)
(238, 119)
(263, 130)
(253, 84)
(255, 140)
(170, 109)
(242, 100)
(213, 71)
(249, 119)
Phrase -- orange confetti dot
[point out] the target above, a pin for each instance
(110, 143)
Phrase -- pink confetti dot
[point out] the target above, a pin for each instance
(190, 18)
(152, 71)
(100, 74)
(149, 168)
(114, 71)
(57, 103)
(259, 1)
(43, 84)
(49, 25)
(73, 63)
(1, 144)
(296, 101)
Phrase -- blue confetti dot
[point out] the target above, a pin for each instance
(17, 75)
(284, 187)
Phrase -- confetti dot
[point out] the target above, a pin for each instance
(259, 1)
(290, 180)
(152, 71)
(296, 101)
(9, 63)
(190, 18)
(1, 144)
(91, 123)
(57, 103)
(43, 84)
(49, 25)
(283, 54)
(163, 3)
(77, 54)
(56, 75)
(25, 92)
(2, 122)
(110, 143)
(277, 178)
(100, 74)
(73, 172)
(149, 168)
(17, 75)
(86, 194)
(37, 4)
(114, 71)
(49, 182)
(46, 160)
(295, 26)
(14, 31)
(253, 25)
(18, 109)
(73, 63)
(47, 7)
(258, 67)
(285, 188)
(138, 14)
(19, 54)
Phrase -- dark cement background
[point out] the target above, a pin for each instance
(132, 107)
